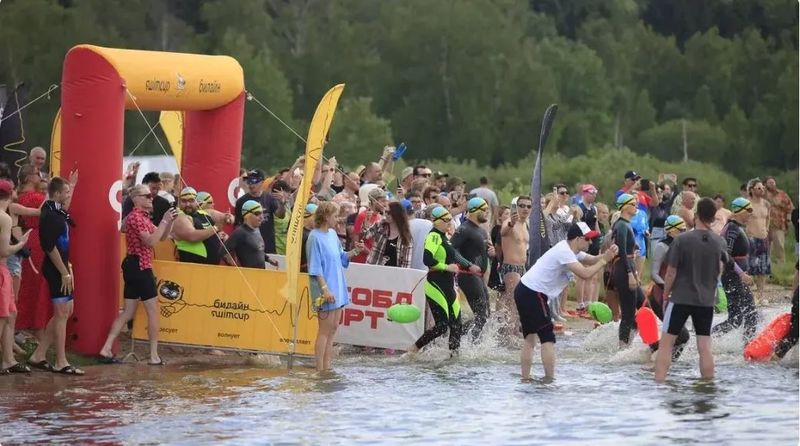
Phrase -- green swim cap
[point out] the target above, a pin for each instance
(624, 200)
(204, 198)
(188, 192)
(251, 207)
(440, 213)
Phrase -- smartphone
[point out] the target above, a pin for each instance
(398, 183)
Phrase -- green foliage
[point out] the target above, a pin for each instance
(357, 134)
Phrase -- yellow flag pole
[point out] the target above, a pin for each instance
(317, 135)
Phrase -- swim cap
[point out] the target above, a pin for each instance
(625, 199)
(674, 222)
(204, 198)
(251, 207)
(741, 204)
(311, 208)
(477, 204)
(188, 192)
(440, 213)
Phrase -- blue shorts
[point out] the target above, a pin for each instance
(14, 265)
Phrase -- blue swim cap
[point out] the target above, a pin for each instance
(311, 208)
(741, 204)
(476, 204)
(440, 213)
(625, 199)
(674, 222)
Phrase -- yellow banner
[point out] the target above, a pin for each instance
(172, 126)
(55, 146)
(216, 306)
(317, 133)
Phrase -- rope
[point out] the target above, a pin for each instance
(46, 93)
(244, 278)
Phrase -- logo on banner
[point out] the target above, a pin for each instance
(234, 191)
(115, 199)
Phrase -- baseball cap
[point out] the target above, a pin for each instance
(440, 213)
(188, 192)
(454, 181)
(363, 193)
(581, 229)
(632, 175)
(251, 206)
(674, 222)
(377, 194)
(741, 204)
(588, 189)
(311, 208)
(439, 174)
(407, 172)
(476, 204)
(625, 199)
(255, 176)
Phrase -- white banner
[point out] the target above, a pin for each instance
(373, 289)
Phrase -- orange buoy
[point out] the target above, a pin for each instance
(763, 345)
(647, 323)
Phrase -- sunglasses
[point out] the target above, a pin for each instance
(563, 192)
(692, 185)
(148, 196)
(526, 206)
(256, 213)
(426, 175)
(209, 203)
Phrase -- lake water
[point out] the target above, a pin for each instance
(600, 396)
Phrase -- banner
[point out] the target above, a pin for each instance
(373, 289)
(216, 306)
(172, 126)
(538, 242)
(317, 137)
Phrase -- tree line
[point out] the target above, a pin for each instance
(461, 79)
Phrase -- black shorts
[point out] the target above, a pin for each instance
(139, 284)
(675, 317)
(534, 313)
(53, 279)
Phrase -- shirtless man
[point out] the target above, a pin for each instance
(758, 231)
(514, 239)
(686, 211)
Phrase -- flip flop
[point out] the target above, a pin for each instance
(156, 363)
(42, 365)
(106, 360)
(70, 370)
(19, 368)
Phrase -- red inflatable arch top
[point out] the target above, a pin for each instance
(95, 91)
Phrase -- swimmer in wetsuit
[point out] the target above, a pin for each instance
(623, 272)
(741, 306)
(673, 226)
(443, 263)
(790, 340)
(471, 241)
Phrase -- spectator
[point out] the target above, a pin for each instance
(167, 186)
(440, 180)
(377, 205)
(37, 158)
(659, 213)
(758, 232)
(485, 191)
(407, 178)
(421, 171)
(688, 200)
(722, 215)
(781, 208)
(350, 190)
(326, 263)
(8, 310)
(137, 271)
(308, 226)
(631, 178)
(419, 229)
(391, 238)
(281, 224)
(689, 184)
(160, 204)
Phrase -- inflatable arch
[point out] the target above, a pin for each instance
(97, 86)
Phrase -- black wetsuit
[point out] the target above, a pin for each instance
(470, 241)
(629, 300)
(656, 300)
(790, 340)
(741, 306)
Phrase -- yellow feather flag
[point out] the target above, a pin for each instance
(55, 146)
(172, 125)
(317, 132)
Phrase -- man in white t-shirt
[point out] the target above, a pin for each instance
(548, 277)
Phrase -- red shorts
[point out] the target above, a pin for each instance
(7, 304)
